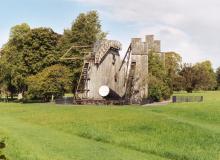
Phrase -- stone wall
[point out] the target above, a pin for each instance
(139, 56)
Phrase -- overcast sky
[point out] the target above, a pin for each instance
(190, 27)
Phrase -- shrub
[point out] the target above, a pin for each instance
(158, 90)
(52, 81)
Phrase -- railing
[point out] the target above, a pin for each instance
(180, 99)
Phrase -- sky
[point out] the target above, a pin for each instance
(189, 27)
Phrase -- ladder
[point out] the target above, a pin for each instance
(82, 87)
(130, 82)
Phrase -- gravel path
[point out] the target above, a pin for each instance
(159, 103)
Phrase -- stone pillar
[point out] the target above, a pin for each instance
(157, 46)
(149, 39)
(139, 56)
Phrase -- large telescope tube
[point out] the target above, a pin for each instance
(108, 93)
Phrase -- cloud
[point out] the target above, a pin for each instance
(189, 27)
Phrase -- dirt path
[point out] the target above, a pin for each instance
(158, 103)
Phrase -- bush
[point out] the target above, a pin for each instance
(52, 81)
(155, 93)
(158, 90)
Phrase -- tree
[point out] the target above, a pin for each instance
(155, 65)
(172, 66)
(11, 73)
(201, 76)
(204, 76)
(40, 50)
(188, 77)
(52, 81)
(158, 80)
(218, 77)
(85, 31)
(29, 51)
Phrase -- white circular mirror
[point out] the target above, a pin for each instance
(104, 91)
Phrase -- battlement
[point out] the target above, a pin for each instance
(142, 48)
(153, 45)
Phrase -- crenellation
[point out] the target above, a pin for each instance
(157, 46)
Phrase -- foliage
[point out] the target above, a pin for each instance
(204, 76)
(12, 71)
(85, 31)
(188, 77)
(218, 77)
(200, 76)
(158, 90)
(160, 76)
(54, 80)
(178, 83)
(40, 50)
(172, 66)
(154, 90)
(27, 52)
(30, 51)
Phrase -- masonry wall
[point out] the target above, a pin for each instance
(140, 57)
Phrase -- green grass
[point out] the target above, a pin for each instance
(187, 131)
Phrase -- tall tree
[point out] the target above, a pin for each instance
(27, 52)
(12, 71)
(85, 31)
(200, 76)
(218, 77)
(158, 79)
(187, 74)
(40, 50)
(204, 76)
(172, 66)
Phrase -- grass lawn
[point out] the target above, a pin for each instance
(187, 131)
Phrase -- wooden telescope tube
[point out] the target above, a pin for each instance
(107, 93)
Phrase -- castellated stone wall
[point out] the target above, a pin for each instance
(153, 45)
(139, 56)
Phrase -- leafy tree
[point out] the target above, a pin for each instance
(29, 51)
(201, 76)
(218, 77)
(178, 83)
(155, 65)
(188, 77)
(204, 76)
(40, 50)
(11, 73)
(85, 31)
(172, 66)
(54, 80)
(158, 79)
